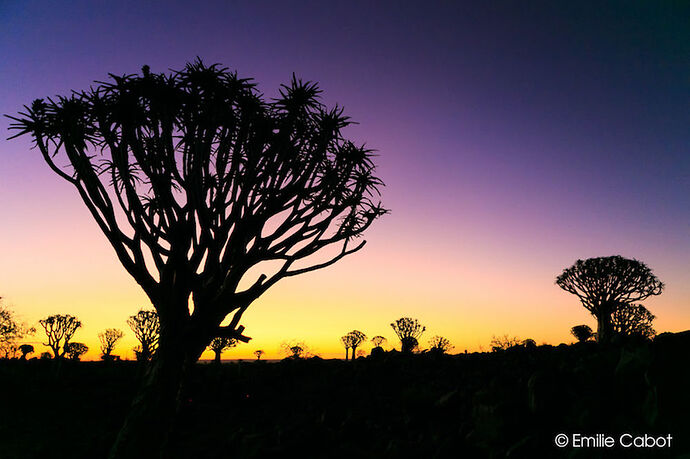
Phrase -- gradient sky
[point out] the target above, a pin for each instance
(514, 138)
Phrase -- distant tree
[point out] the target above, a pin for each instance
(258, 353)
(633, 320)
(501, 343)
(220, 344)
(45, 356)
(409, 331)
(440, 344)
(108, 339)
(294, 350)
(604, 283)
(11, 330)
(582, 333)
(26, 349)
(182, 172)
(353, 340)
(347, 343)
(59, 328)
(75, 350)
(378, 340)
(146, 328)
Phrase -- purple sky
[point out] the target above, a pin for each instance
(514, 137)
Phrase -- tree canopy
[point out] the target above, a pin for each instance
(409, 331)
(604, 283)
(146, 328)
(59, 328)
(210, 194)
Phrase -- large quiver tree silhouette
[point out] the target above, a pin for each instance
(195, 172)
(603, 284)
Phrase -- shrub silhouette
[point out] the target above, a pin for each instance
(108, 339)
(75, 350)
(146, 328)
(502, 343)
(198, 162)
(220, 344)
(605, 283)
(26, 349)
(440, 345)
(46, 356)
(59, 328)
(582, 333)
(11, 331)
(408, 331)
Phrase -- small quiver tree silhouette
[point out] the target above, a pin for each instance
(347, 343)
(409, 331)
(26, 349)
(439, 345)
(294, 350)
(74, 351)
(604, 283)
(220, 344)
(146, 328)
(378, 341)
(633, 320)
(352, 341)
(109, 339)
(59, 328)
(194, 178)
(258, 353)
(582, 333)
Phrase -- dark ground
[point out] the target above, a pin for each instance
(505, 404)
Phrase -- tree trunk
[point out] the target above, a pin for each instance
(153, 410)
(354, 349)
(216, 359)
(604, 326)
(347, 356)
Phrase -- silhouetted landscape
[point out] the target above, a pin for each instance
(208, 191)
(509, 403)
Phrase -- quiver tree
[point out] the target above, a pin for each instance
(378, 341)
(409, 331)
(75, 350)
(109, 339)
(633, 320)
(347, 343)
(357, 337)
(604, 283)
(146, 328)
(258, 353)
(195, 179)
(582, 333)
(352, 341)
(26, 349)
(59, 328)
(220, 344)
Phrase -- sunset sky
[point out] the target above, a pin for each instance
(513, 138)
